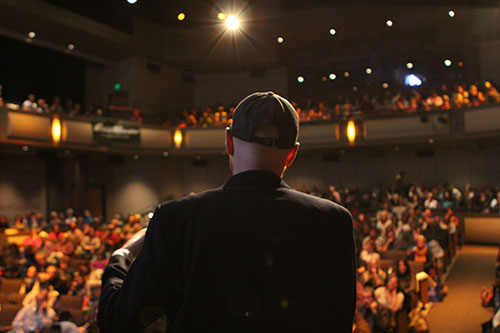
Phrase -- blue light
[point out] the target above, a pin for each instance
(413, 81)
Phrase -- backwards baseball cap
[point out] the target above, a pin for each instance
(266, 108)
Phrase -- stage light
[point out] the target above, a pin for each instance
(181, 16)
(71, 47)
(389, 23)
(150, 215)
(351, 131)
(409, 65)
(346, 74)
(178, 139)
(368, 70)
(333, 32)
(131, 1)
(31, 34)
(232, 22)
(56, 130)
(300, 79)
(280, 39)
(221, 16)
(413, 81)
(447, 62)
(385, 85)
(451, 13)
(332, 76)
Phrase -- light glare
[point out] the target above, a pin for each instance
(412, 80)
(280, 39)
(300, 79)
(221, 16)
(181, 16)
(332, 76)
(131, 1)
(368, 71)
(232, 22)
(409, 65)
(451, 13)
(447, 62)
(332, 32)
(31, 34)
(389, 23)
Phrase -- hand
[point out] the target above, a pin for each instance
(134, 244)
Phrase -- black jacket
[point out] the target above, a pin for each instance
(252, 256)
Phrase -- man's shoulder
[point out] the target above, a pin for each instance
(190, 199)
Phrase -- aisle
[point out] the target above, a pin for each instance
(461, 310)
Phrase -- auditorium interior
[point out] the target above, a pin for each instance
(108, 108)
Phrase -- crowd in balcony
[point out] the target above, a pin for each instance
(64, 255)
(345, 104)
(339, 105)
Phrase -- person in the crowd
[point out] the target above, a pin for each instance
(376, 315)
(30, 103)
(389, 296)
(29, 281)
(34, 317)
(374, 275)
(368, 253)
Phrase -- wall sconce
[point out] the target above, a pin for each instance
(351, 131)
(178, 139)
(56, 130)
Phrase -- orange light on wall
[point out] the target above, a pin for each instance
(351, 131)
(56, 130)
(178, 139)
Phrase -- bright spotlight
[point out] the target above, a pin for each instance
(280, 39)
(451, 13)
(300, 79)
(332, 76)
(232, 22)
(332, 32)
(131, 1)
(221, 16)
(447, 62)
(412, 80)
(388, 23)
(31, 34)
(409, 65)
(368, 71)
(181, 16)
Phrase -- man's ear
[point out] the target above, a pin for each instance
(291, 155)
(229, 142)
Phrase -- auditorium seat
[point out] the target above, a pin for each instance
(71, 302)
(11, 285)
(7, 314)
(386, 263)
(394, 255)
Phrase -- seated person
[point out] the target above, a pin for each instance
(29, 281)
(389, 296)
(374, 275)
(420, 252)
(34, 317)
(377, 316)
(368, 253)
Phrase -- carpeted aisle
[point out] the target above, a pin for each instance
(461, 310)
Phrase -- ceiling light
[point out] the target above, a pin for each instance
(409, 65)
(346, 74)
(368, 70)
(388, 23)
(131, 1)
(447, 62)
(232, 22)
(71, 47)
(300, 79)
(31, 34)
(280, 39)
(333, 32)
(181, 16)
(332, 76)
(451, 13)
(385, 85)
